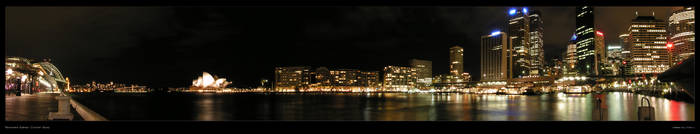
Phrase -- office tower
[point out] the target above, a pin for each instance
(614, 60)
(456, 60)
(399, 78)
(494, 57)
(570, 58)
(519, 37)
(682, 33)
(600, 50)
(626, 47)
(424, 73)
(536, 43)
(648, 45)
(585, 41)
(291, 78)
(626, 69)
(614, 52)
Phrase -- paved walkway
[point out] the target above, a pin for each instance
(32, 107)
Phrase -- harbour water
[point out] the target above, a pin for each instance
(613, 106)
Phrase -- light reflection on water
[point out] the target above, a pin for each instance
(616, 106)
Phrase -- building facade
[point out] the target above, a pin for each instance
(424, 73)
(369, 79)
(600, 52)
(344, 77)
(682, 33)
(649, 53)
(494, 57)
(585, 41)
(398, 78)
(456, 60)
(614, 60)
(519, 38)
(291, 78)
(536, 43)
(626, 69)
(569, 58)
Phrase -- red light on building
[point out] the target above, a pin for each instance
(599, 33)
(669, 45)
(624, 62)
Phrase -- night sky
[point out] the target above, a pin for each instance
(171, 46)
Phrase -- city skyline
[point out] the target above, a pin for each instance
(191, 37)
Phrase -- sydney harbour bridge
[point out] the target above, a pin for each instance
(28, 76)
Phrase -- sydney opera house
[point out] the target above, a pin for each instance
(28, 76)
(207, 82)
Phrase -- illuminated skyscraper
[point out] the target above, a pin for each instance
(536, 43)
(600, 50)
(648, 45)
(494, 57)
(519, 37)
(585, 41)
(456, 60)
(570, 57)
(682, 33)
(614, 60)
(424, 73)
(626, 69)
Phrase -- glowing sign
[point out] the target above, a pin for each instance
(599, 33)
(525, 10)
(573, 37)
(511, 12)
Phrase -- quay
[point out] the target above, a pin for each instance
(36, 107)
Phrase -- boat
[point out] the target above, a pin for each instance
(578, 89)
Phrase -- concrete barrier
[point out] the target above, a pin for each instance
(86, 113)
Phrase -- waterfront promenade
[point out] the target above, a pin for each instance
(33, 107)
